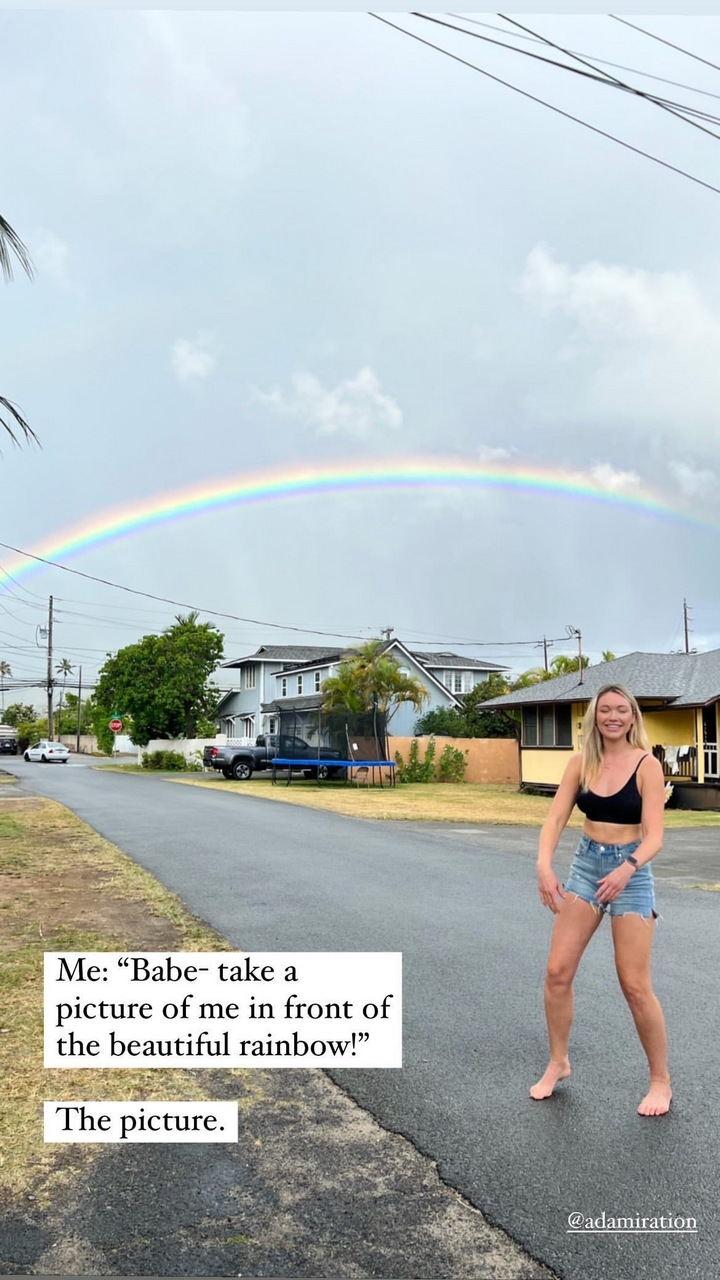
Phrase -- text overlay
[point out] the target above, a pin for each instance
(223, 1008)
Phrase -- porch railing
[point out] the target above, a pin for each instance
(677, 761)
(710, 755)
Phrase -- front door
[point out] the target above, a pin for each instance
(710, 741)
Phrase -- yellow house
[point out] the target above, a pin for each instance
(679, 694)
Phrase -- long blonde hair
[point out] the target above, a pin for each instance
(592, 751)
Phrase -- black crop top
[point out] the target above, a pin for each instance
(623, 807)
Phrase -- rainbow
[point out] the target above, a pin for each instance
(313, 480)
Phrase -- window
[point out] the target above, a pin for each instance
(272, 725)
(283, 687)
(250, 676)
(455, 682)
(549, 726)
(317, 681)
(299, 684)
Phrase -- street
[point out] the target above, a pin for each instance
(461, 905)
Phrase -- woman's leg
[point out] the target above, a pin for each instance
(632, 940)
(575, 925)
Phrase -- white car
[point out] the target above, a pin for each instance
(48, 752)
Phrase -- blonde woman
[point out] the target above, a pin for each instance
(618, 784)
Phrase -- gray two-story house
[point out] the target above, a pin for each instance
(291, 677)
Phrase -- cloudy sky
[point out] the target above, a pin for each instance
(271, 241)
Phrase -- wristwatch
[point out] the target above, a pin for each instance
(634, 861)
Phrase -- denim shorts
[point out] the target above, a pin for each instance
(593, 861)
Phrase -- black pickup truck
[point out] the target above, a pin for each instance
(241, 762)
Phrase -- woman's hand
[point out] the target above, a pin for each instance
(612, 885)
(551, 891)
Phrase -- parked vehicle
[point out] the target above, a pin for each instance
(47, 752)
(8, 740)
(241, 762)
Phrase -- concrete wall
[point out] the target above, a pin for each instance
(488, 759)
(88, 743)
(188, 747)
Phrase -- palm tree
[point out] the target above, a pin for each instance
(64, 668)
(10, 243)
(371, 679)
(5, 670)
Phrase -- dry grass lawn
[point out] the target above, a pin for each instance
(479, 803)
(64, 888)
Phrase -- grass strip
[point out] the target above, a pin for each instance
(64, 888)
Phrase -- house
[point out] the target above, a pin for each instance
(679, 695)
(290, 677)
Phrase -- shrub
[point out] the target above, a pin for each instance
(416, 770)
(449, 768)
(451, 765)
(171, 761)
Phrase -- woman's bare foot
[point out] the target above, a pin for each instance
(657, 1099)
(556, 1071)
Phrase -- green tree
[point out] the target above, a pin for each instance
(12, 246)
(371, 679)
(489, 722)
(162, 682)
(69, 718)
(561, 665)
(471, 720)
(64, 668)
(608, 656)
(18, 712)
(446, 722)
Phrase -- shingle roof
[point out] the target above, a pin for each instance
(284, 653)
(305, 702)
(680, 679)
(309, 655)
(455, 660)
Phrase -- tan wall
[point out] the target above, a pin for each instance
(488, 759)
(88, 742)
(671, 728)
(544, 764)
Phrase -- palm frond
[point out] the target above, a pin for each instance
(14, 420)
(11, 245)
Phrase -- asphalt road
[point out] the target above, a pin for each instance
(460, 903)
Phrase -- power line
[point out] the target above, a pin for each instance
(178, 604)
(558, 111)
(619, 66)
(595, 74)
(658, 102)
(669, 43)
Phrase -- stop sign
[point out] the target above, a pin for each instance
(116, 725)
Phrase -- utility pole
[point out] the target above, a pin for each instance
(574, 631)
(544, 643)
(77, 735)
(49, 671)
(387, 632)
(686, 622)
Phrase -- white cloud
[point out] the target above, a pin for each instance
(694, 482)
(194, 361)
(610, 301)
(612, 479)
(486, 453)
(356, 407)
(645, 350)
